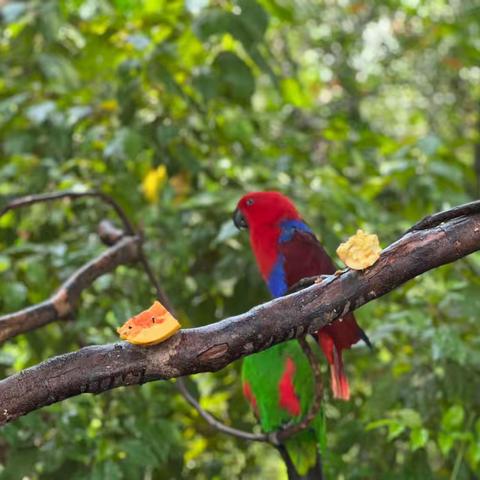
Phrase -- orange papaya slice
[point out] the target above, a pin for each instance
(149, 327)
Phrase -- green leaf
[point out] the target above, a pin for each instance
(212, 22)
(395, 429)
(10, 105)
(4, 263)
(226, 231)
(12, 11)
(293, 93)
(206, 82)
(140, 453)
(453, 418)
(411, 418)
(418, 438)
(126, 144)
(235, 77)
(108, 470)
(473, 454)
(59, 71)
(254, 18)
(445, 442)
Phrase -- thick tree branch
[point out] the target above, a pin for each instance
(212, 347)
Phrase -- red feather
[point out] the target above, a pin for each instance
(248, 394)
(339, 381)
(287, 397)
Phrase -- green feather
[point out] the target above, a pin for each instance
(302, 450)
(263, 372)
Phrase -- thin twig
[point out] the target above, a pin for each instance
(180, 382)
(273, 437)
(160, 292)
(48, 311)
(211, 420)
(47, 197)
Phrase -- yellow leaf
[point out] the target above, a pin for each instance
(153, 182)
(109, 105)
(360, 251)
(149, 327)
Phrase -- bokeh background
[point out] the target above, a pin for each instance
(365, 112)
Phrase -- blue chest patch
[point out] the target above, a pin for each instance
(289, 227)
(277, 283)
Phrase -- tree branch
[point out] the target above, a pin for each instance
(440, 217)
(63, 302)
(212, 347)
(215, 423)
(69, 194)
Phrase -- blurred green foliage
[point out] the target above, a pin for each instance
(363, 112)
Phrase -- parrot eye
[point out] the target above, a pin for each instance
(250, 202)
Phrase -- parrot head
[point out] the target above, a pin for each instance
(263, 210)
(263, 214)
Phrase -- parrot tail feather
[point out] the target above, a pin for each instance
(339, 381)
(340, 386)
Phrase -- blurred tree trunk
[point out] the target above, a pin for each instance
(476, 153)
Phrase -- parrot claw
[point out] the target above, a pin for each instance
(307, 282)
(321, 278)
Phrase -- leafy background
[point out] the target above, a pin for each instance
(366, 113)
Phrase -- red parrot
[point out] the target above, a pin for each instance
(278, 382)
(286, 250)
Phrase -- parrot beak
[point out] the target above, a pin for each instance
(239, 220)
